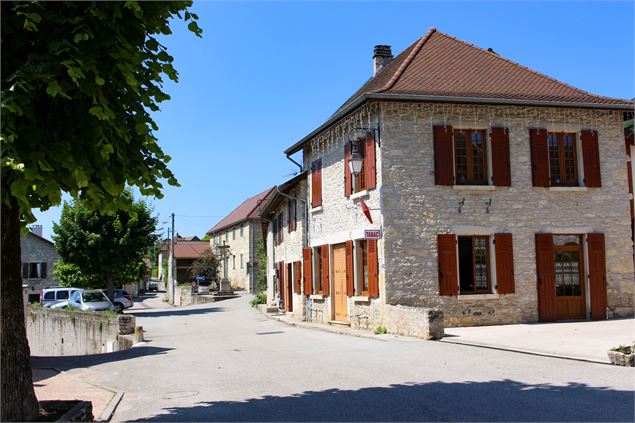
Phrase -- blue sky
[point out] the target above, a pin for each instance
(267, 73)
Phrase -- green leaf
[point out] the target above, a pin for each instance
(53, 88)
(99, 80)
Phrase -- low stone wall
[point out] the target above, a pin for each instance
(53, 332)
(420, 322)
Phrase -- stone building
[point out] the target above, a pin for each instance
(285, 213)
(240, 231)
(498, 194)
(38, 258)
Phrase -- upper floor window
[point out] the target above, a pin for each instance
(34, 270)
(563, 162)
(233, 233)
(278, 230)
(242, 227)
(293, 215)
(316, 183)
(470, 157)
(226, 235)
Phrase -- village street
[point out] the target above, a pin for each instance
(227, 362)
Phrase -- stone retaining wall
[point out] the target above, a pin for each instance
(53, 332)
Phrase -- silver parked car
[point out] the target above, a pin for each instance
(90, 300)
(122, 299)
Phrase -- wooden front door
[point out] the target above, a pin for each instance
(288, 306)
(340, 303)
(568, 272)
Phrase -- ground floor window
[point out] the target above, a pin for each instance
(474, 264)
(362, 266)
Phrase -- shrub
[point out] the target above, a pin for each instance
(623, 349)
(381, 330)
(260, 298)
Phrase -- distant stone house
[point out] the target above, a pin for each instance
(163, 254)
(285, 212)
(38, 260)
(185, 254)
(498, 194)
(240, 231)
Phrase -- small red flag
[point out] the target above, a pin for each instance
(365, 210)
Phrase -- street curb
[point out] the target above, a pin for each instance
(521, 351)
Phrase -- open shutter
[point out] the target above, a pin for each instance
(307, 256)
(504, 263)
(43, 269)
(316, 183)
(597, 275)
(539, 157)
(325, 270)
(350, 279)
(545, 269)
(501, 173)
(297, 277)
(348, 184)
(373, 268)
(591, 159)
(448, 280)
(443, 156)
(370, 164)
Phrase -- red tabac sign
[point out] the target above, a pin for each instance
(372, 234)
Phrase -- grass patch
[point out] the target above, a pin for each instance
(381, 330)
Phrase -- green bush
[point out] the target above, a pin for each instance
(260, 298)
(381, 330)
(623, 349)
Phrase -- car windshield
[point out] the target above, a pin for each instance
(93, 297)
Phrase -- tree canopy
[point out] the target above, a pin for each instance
(207, 265)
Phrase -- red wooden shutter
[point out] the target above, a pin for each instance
(373, 268)
(316, 183)
(448, 280)
(297, 276)
(443, 155)
(501, 173)
(545, 269)
(307, 254)
(591, 159)
(370, 164)
(597, 275)
(539, 157)
(504, 263)
(348, 185)
(281, 280)
(350, 279)
(325, 270)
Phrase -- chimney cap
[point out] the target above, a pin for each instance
(382, 50)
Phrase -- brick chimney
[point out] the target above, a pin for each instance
(382, 55)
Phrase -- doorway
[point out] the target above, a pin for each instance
(340, 302)
(569, 281)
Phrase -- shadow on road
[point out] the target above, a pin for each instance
(74, 361)
(175, 312)
(503, 400)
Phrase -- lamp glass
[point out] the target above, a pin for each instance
(355, 163)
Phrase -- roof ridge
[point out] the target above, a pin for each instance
(505, 59)
(402, 68)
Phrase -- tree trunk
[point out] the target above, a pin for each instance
(110, 287)
(18, 397)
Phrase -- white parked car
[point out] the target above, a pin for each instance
(90, 300)
(56, 297)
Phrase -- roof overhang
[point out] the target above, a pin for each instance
(448, 99)
(285, 187)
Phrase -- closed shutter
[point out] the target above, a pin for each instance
(539, 157)
(443, 156)
(448, 280)
(307, 256)
(350, 279)
(348, 185)
(501, 173)
(545, 269)
(297, 276)
(597, 275)
(373, 268)
(591, 159)
(504, 263)
(316, 183)
(325, 270)
(370, 164)
(281, 280)
(25, 270)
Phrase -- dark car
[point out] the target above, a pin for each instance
(153, 286)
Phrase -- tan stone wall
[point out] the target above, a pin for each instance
(415, 210)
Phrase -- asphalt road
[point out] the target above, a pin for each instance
(227, 362)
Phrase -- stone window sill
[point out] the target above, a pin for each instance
(316, 209)
(478, 297)
(568, 189)
(316, 297)
(361, 298)
(474, 188)
(359, 194)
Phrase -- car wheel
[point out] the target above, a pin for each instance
(119, 307)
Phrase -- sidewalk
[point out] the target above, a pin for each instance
(50, 384)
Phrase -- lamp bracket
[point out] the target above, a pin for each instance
(367, 132)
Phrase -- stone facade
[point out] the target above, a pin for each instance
(35, 249)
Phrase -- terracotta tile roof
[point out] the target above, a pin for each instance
(190, 249)
(443, 66)
(274, 198)
(249, 209)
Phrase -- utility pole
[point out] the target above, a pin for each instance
(172, 261)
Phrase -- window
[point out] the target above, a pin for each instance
(233, 262)
(362, 266)
(234, 233)
(359, 180)
(49, 295)
(62, 295)
(34, 270)
(242, 227)
(470, 157)
(280, 233)
(242, 264)
(567, 259)
(474, 271)
(226, 235)
(317, 256)
(316, 183)
(563, 163)
(292, 214)
(274, 230)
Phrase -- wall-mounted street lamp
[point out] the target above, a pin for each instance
(356, 159)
